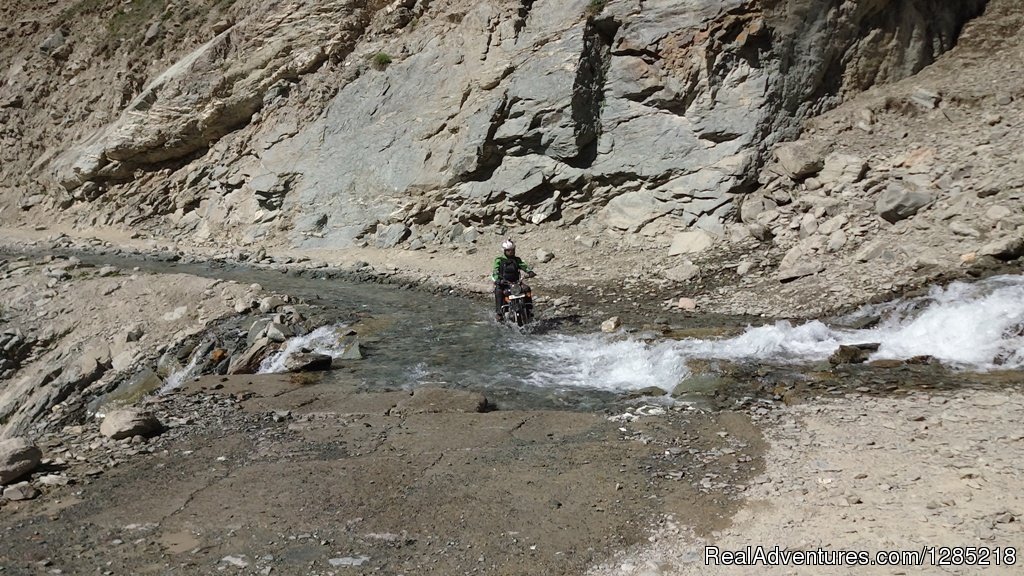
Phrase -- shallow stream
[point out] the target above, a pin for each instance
(413, 338)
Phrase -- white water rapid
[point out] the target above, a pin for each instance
(977, 326)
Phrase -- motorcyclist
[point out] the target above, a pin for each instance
(506, 271)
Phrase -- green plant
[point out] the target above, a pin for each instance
(595, 7)
(380, 60)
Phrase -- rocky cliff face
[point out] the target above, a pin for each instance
(330, 123)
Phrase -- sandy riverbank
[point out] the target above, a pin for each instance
(868, 473)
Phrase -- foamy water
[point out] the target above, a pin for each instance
(976, 326)
(325, 340)
(968, 326)
(600, 362)
(190, 371)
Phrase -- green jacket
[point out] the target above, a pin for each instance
(504, 266)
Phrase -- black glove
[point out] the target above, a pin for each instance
(531, 274)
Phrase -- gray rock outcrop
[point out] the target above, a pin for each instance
(281, 125)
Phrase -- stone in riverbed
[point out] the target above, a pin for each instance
(308, 362)
(653, 391)
(351, 350)
(271, 303)
(611, 325)
(249, 361)
(18, 457)
(853, 354)
(277, 332)
(121, 424)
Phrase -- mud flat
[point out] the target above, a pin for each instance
(285, 475)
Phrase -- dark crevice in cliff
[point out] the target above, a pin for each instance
(490, 153)
(588, 89)
(525, 6)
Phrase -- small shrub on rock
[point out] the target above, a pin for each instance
(380, 60)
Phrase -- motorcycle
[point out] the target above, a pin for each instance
(518, 304)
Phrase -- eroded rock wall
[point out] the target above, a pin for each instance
(329, 123)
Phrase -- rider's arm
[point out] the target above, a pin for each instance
(495, 268)
(523, 265)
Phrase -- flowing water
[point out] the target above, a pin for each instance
(413, 338)
(969, 328)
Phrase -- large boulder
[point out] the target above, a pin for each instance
(129, 422)
(842, 169)
(900, 201)
(799, 160)
(18, 457)
(391, 235)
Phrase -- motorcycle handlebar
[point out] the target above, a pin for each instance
(531, 275)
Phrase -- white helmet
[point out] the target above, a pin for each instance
(508, 244)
